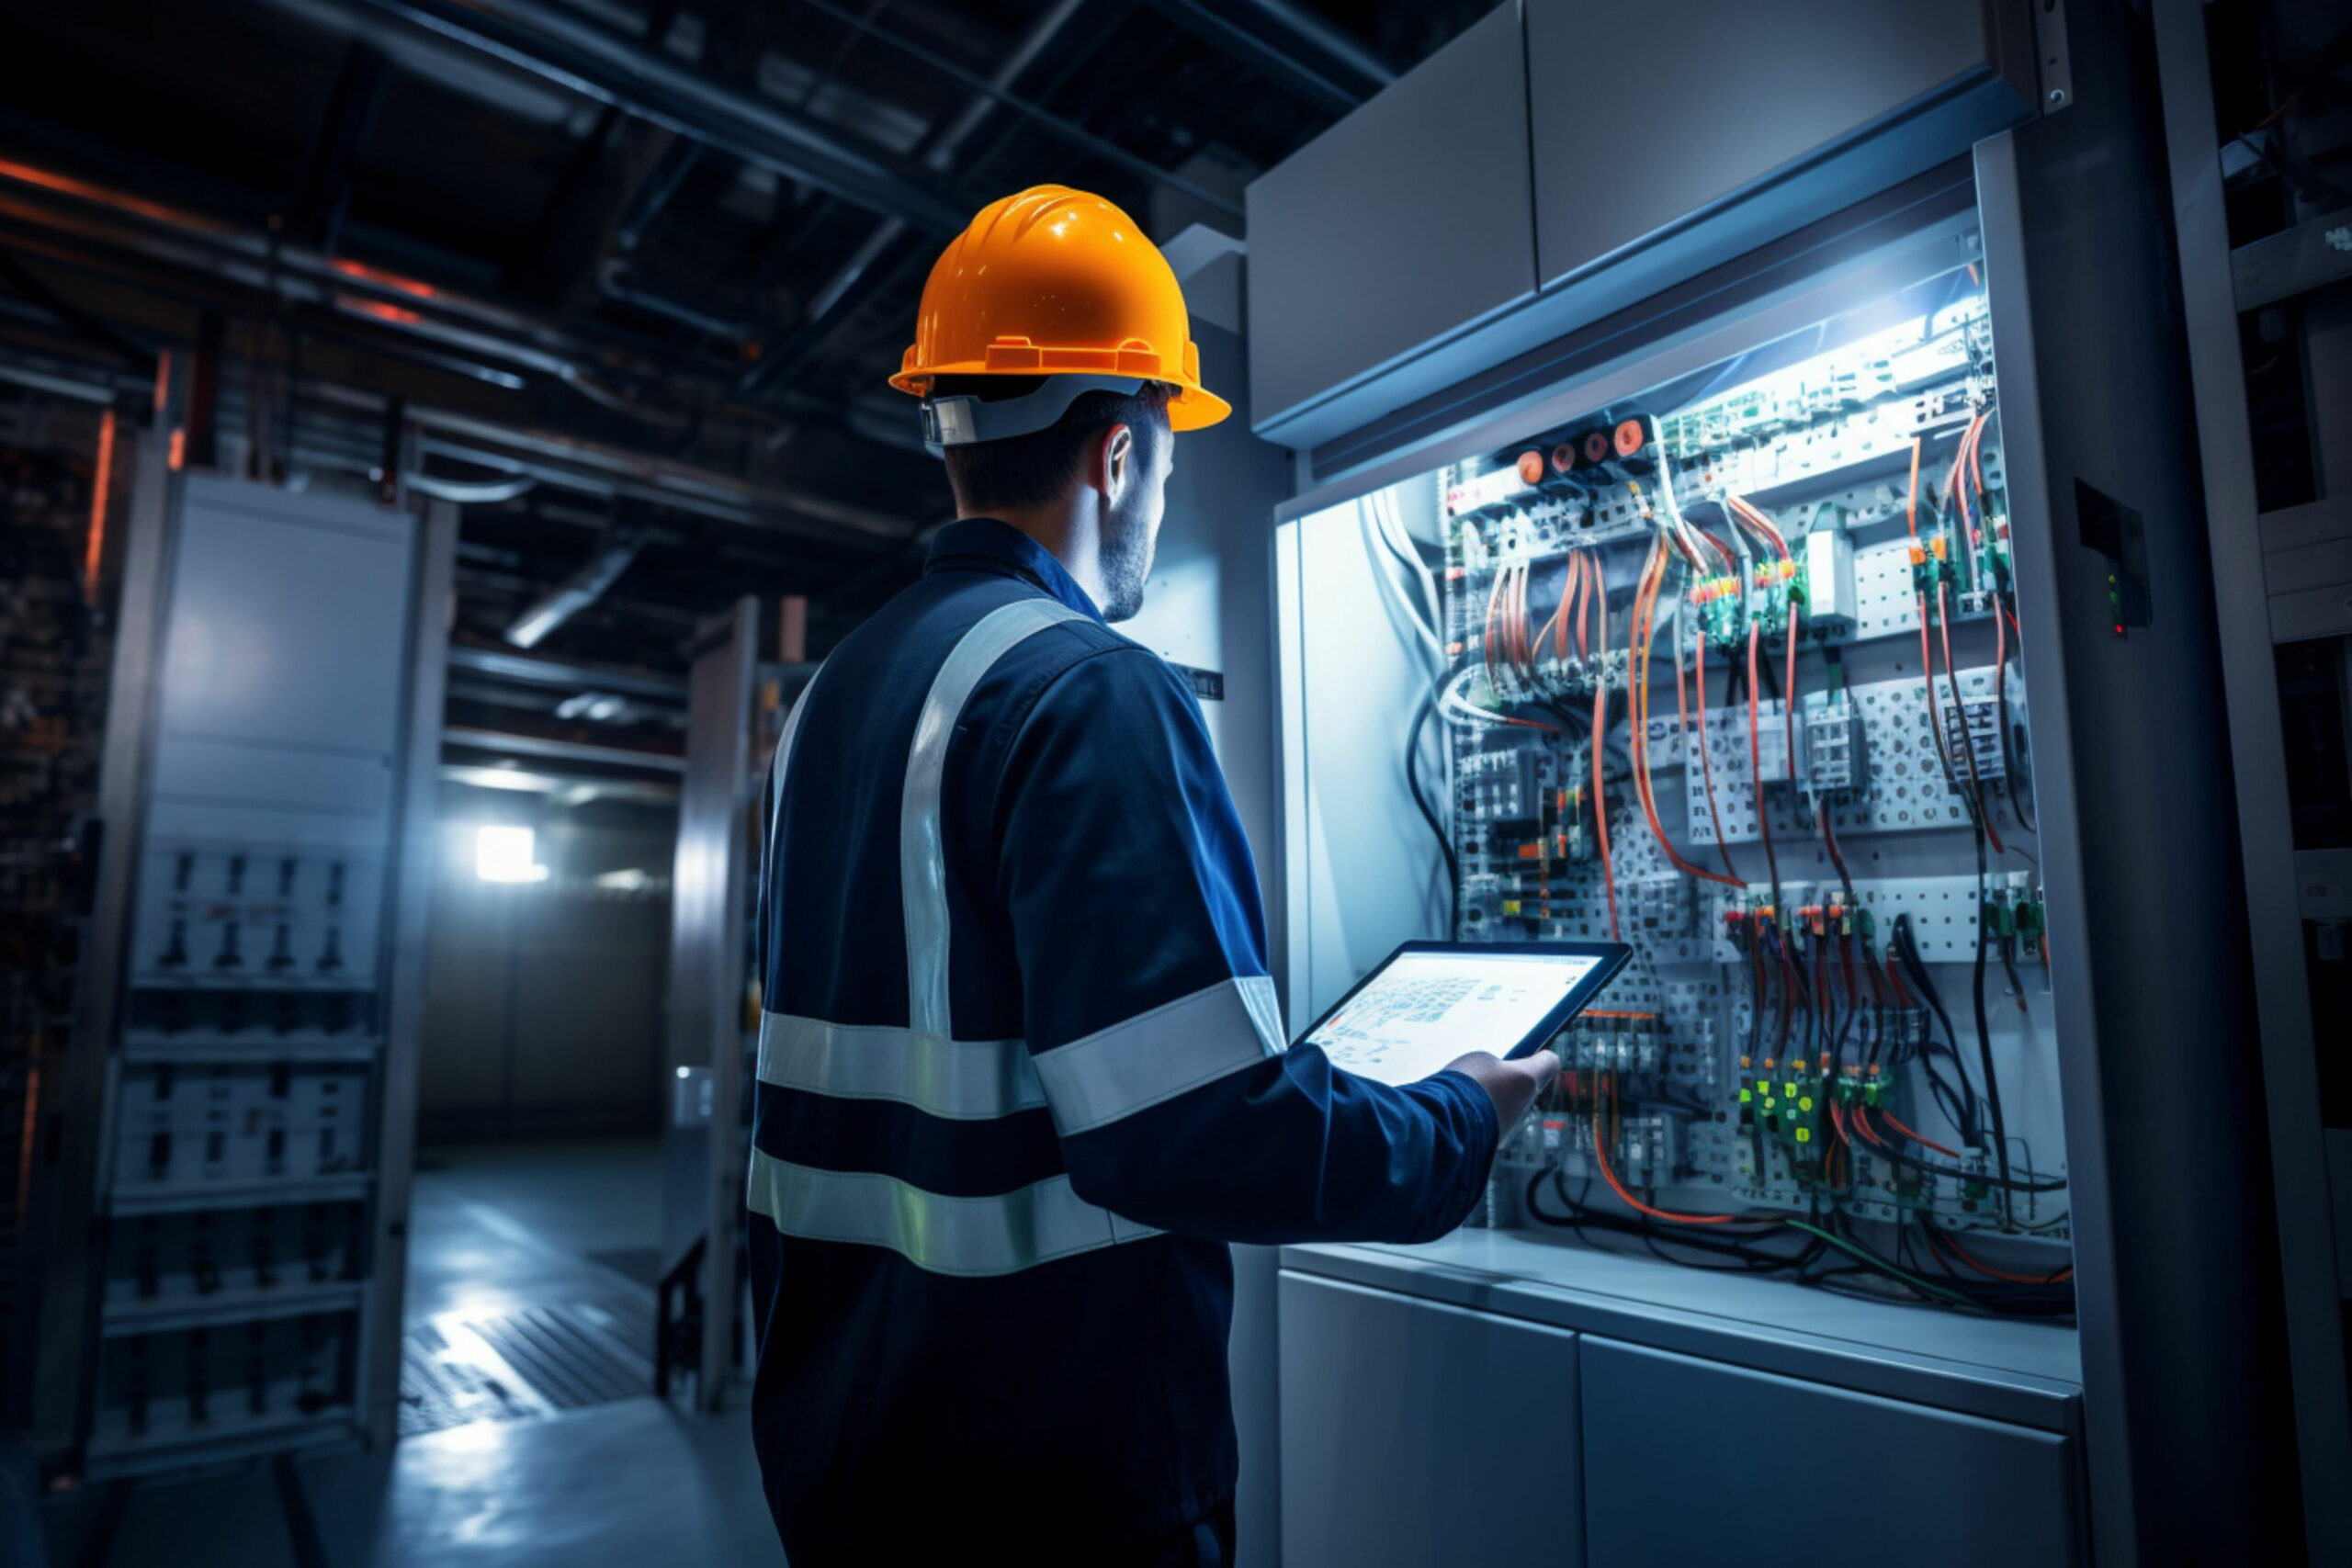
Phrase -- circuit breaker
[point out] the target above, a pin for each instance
(235, 1293)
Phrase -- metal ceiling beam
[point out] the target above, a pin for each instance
(75, 220)
(559, 46)
(1317, 38)
(866, 269)
(565, 676)
(326, 197)
(1141, 167)
(501, 741)
(1279, 60)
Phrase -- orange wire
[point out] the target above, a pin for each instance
(1755, 763)
(1922, 1140)
(1654, 576)
(1599, 794)
(1789, 696)
(1927, 683)
(1944, 1238)
(1600, 1156)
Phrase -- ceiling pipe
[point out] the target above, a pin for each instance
(860, 276)
(93, 228)
(1077, 135)
(561, 47)
(565, 674)
(54, 205)
(1277, 60)
(499, 740)
(1322, 37)
(578, 591)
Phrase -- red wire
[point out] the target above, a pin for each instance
(1600, 795)
(1863, 1127)
(1756, 763)
(1646, 598)
(1600, 1156)
(1788, 695)
(1942, 1240)
(1922, 1140)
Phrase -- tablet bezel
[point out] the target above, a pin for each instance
(1614, 956)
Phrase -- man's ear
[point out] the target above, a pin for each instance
(1114, 460)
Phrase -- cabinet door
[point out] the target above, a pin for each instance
(1404, 222)
(1617, 159)
(1694, 1461)
(1415, 1434)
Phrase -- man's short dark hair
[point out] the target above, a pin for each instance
(1035, 470)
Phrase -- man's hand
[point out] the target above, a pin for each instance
(1512, 1085)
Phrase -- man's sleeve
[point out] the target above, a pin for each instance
(1153, 1024)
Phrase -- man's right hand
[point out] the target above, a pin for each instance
(1512, 1085)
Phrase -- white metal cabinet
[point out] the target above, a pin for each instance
(1417, 1434)
(1407, 220)
(1887, 89)
(1687, 1462)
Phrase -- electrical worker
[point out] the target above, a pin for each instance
(1022, 1071)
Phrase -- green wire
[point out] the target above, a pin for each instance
(1864, 1255)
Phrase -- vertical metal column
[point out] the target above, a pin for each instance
(2185, 1391)
(710, 901)
(2289, 1073)
(416, 847)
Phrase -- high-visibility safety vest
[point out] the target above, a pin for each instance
(1021, 1078)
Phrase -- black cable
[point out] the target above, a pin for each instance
(1583, 1216)
(2004, 1183)
(1984, 1034)
(1905, 947)
(1430, 816)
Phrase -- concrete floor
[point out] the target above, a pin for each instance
(631, 1482)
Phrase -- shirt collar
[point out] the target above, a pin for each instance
(983, 544)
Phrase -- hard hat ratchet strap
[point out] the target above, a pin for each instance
(963, 420)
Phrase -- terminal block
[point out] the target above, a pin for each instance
(1974, 726)
(1836, 763)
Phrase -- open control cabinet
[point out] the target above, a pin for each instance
(1717, 652)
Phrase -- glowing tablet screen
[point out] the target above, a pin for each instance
(1422, 1010)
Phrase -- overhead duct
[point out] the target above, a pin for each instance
(561, 47)
(576, 593)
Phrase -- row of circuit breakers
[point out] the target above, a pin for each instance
(1737, 684)
(234, 1297)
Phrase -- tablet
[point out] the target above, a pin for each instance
(1431, 1001)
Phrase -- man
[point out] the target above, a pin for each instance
(1022, 1074)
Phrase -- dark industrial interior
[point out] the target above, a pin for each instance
(443, 442)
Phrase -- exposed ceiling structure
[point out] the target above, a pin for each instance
(631, 273)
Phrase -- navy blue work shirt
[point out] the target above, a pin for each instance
(1022, 1076)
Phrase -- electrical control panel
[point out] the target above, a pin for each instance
(1724, 664)
(240, 1150)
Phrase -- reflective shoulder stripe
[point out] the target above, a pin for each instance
(1002, 1234)
(923, 873)
(1159, 1054)
(775, 786)
(961, 1079)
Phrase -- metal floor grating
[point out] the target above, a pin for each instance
(457, 1368)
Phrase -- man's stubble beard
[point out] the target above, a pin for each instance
(1127, 544)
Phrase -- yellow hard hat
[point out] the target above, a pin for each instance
(1052, 282)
